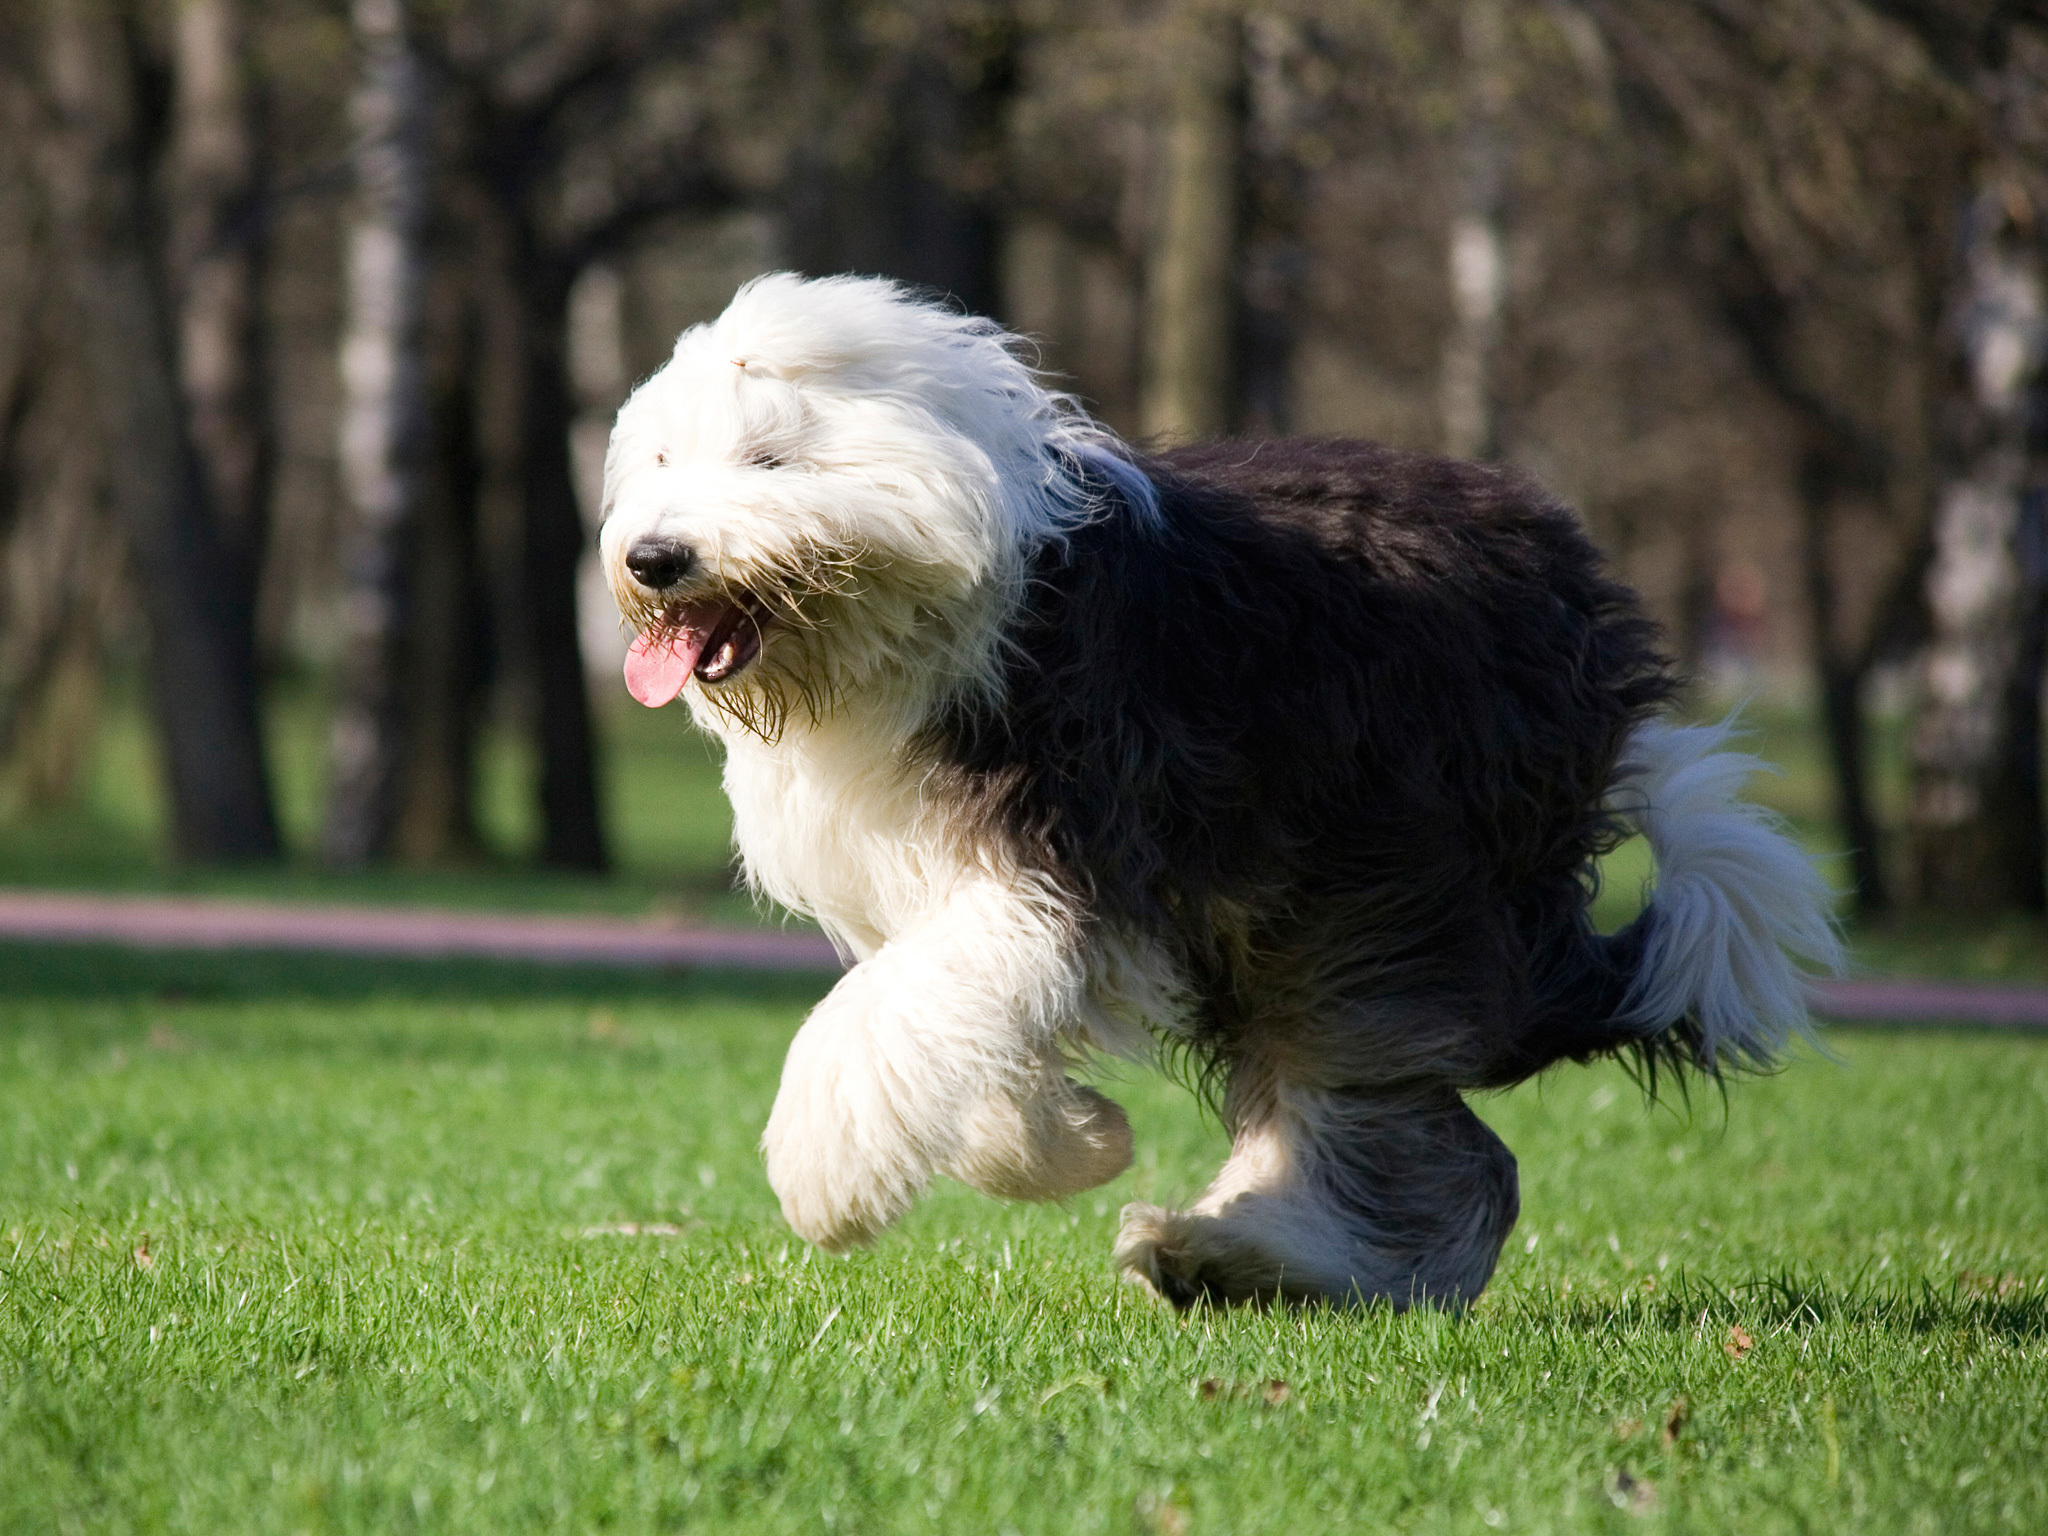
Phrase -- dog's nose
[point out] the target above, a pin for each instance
(660, 563)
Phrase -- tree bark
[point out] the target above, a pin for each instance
(1840, 676)
(216, 254)
(905, 204)
(552, 542)
(195, 596)
(450, 630)
(383, 428)
(1477, 262)
(1191, 276)
(1976, 834)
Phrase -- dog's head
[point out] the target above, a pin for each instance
(829, 494)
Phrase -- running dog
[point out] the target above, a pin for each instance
(1296, 756)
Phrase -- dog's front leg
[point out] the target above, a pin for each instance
(941, 1053)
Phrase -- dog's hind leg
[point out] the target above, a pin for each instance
(1395, 1192)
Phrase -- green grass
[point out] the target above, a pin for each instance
(312, 1245)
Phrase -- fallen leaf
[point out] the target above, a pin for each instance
(1209, 1389)
(1738, 1343)
(1277, 1392)
(143, 1260)
(1674, 1421)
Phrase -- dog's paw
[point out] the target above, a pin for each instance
(1187, 1258)
(839, 1156)
(1063, 1141)
(1152, 1251)
(837, 1188)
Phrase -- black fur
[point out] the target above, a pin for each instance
(1338, 733)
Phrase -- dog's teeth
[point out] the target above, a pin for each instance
(719, 663)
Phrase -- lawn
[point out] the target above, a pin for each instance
(296, 1244)
(306, 1244)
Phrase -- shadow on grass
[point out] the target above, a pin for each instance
(102, 973)
(1788, 1302)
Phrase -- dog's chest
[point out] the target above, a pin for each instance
(837, 830)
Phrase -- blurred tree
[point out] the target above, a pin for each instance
(582, 127)
(451, 633)
(1477, 253)
(44, 530)
(1810, 152)
(1693, 262)
(900, 109)
(54, 532)
(196, 588)
(383, 428)
(1191, 277)
(1976, 834)
(216, 199)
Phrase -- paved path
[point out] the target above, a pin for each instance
(1868, 1000)
(180, 922)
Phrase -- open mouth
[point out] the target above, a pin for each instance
(713, 640)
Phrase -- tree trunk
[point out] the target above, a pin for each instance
(1191, 277)
(552, 543)
(903, 206)
(814, 31)
(195, 596)
(216, 271)
(449, 634)
(1841, 687)
(945, 234)
(1976, 834)
(1478, 266)
(383, 428)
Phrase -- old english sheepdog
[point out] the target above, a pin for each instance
(1295, 756)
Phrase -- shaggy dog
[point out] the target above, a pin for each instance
(1294, 755)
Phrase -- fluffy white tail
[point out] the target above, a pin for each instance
(1736, 907)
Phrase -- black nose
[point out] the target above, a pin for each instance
(660, 563)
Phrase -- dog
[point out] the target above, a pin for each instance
(1293, 757)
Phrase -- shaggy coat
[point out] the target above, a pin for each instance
(1295, 757)
(1338, 727)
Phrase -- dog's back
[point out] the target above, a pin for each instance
(1341, 727)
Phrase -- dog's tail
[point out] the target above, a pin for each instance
(1712, 976)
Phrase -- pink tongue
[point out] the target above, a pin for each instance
(661, 661)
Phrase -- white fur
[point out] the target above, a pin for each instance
(1738, 902)
(941, 1051)
(918, 462)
